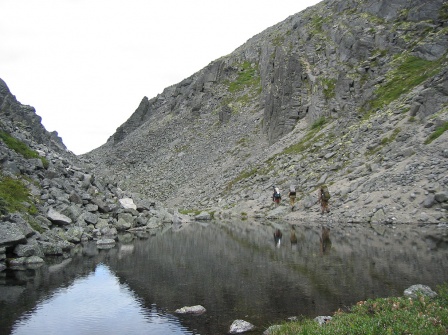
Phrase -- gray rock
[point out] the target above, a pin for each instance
(123, 225)
(203, 216)
(272, 329)
(378, 217)
(50, 249)
(27, 250)
(441, 196)
(74, 234)
(240, 326)
(75, 198)
(128, 203)
(26, 260)
(105, 241)
(322, 319)
(415, 290)
(197, 310)
(429, 201)
(58, 218)
(11, 234)
(90, 218)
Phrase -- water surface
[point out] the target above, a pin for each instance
(236, 270)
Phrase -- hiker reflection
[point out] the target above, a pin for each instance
(325, 242)
(293, 238)
(277, 237)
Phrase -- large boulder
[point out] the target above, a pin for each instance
(241, 326)
(415, 290)
(58, 218)
(11, 234)
(127, 203)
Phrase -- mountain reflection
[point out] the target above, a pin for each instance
(96, 304)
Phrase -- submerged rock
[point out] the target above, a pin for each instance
(197, 310)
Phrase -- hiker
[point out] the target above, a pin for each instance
(292, 196)
(276, 196)
(323, 198)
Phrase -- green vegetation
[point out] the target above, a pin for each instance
(423, 316)
(296, 148)
(305, 143)
(247, 77)
(329, 87)
(317, 23)
(190, 212)
(411, 72)
(278, 40)
(243, 175)
(438, 132)
(195, 212)
(443, 13)
(15, 197)
(21, 148)
(319, 123)
(384, 141)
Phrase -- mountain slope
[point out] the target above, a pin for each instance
(344, 93)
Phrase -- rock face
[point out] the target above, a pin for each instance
(348, 93)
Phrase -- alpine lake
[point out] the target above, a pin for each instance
(263, 272)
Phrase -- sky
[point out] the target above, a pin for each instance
(85, 65)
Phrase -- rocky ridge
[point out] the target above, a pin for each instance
(50, 201)
(347, 93)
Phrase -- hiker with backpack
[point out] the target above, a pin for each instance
(292, 196)
(276, 196)
(323, 198)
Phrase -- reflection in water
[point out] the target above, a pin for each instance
(278, 238)
(325, 242)
(231, 268)
(293, 237)
(97, 304)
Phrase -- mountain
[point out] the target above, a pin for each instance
(352, 94)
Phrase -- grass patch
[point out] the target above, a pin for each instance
(15, 197)
(437, 133)
(410, 73)
(243, 175)
(247, 77)
(423, 316)
(329, 86)
(21, 148)
(319, 123)
(384, 141)
(190, 212)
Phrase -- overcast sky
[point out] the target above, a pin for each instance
(85, 65)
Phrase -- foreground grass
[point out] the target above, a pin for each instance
(14, 196)
(422, 316)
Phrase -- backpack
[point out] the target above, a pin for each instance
(292, 190)
(277, 194)
(325, 193)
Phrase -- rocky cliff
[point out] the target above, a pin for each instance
(50, 201)
(349, 93)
